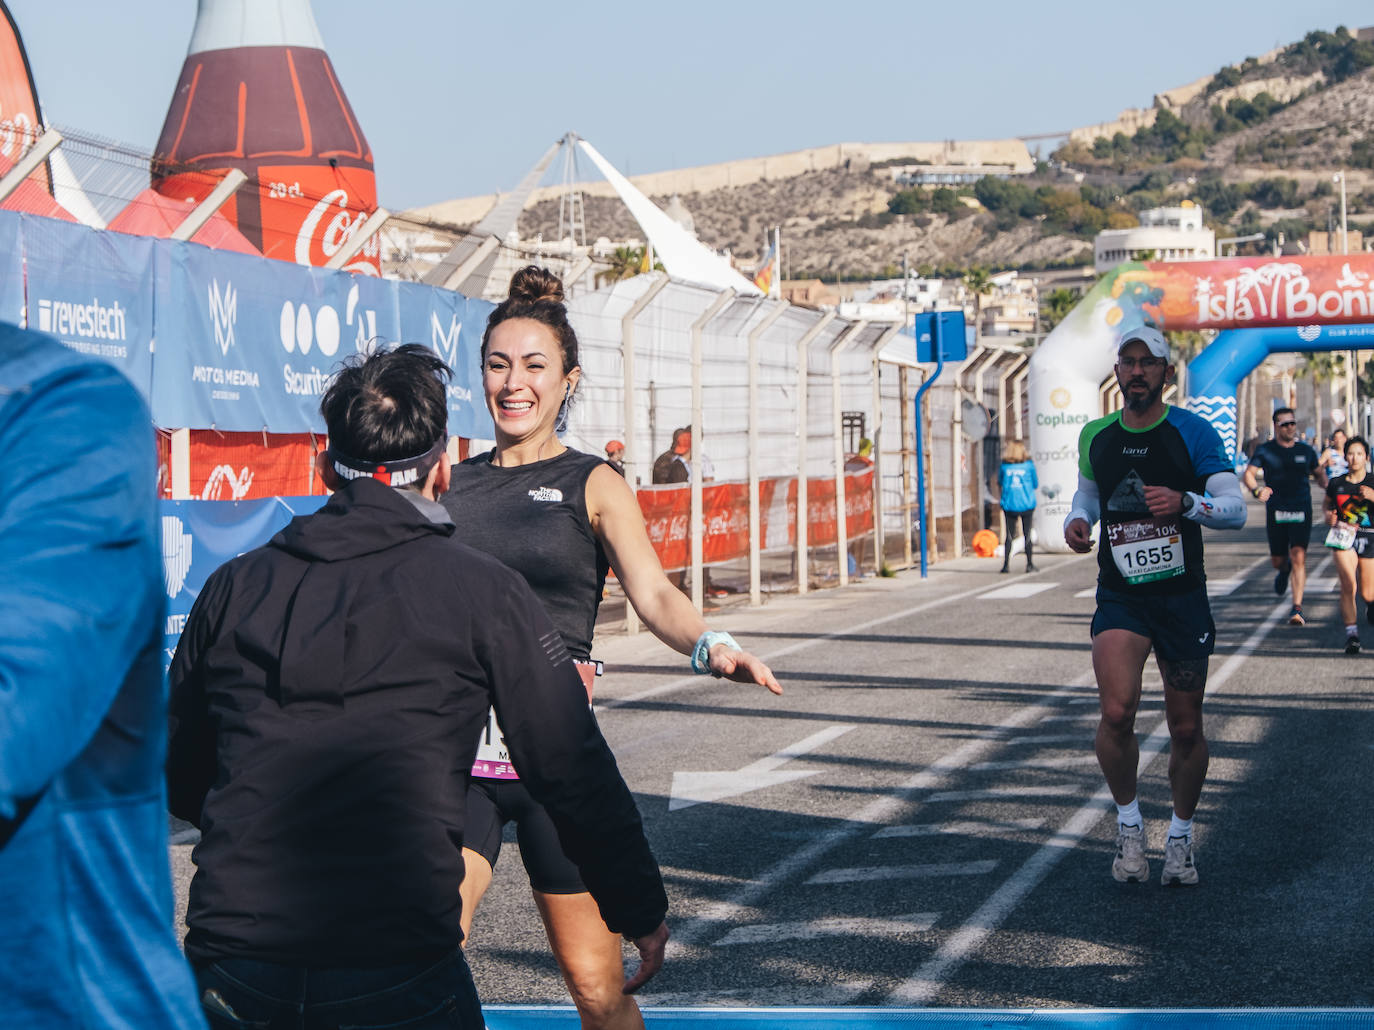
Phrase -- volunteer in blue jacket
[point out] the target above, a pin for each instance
(1016, 485)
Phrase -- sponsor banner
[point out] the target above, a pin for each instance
(249, 344)
(822, 527)
(452, 326)
(1248, 293)
(11, 269)
(725, 514)
(244, 466)
(93, 291)
(200, 536)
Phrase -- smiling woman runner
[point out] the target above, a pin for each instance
(560, 518)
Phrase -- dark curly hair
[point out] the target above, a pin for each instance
(388, 404)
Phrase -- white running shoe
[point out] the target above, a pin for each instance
(1179, 870)
(1130, 865)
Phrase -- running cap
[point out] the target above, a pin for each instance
(1151, 337)
(397, 472)
(614, 445)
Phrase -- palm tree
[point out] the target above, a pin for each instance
(979, 283)
(625, 263)
(1056, 304)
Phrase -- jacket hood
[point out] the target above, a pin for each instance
(364, 517)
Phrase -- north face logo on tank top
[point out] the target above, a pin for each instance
(547, 494)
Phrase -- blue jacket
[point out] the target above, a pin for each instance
(1017, 484)
(86, 935)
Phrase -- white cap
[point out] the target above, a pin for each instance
(1151, 337)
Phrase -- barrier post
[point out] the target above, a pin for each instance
(755, 542)
(695, 531)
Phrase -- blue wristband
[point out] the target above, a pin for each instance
(701, 654)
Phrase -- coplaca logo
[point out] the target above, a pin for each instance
(224, 313)
(1060, 398)
(176, 554)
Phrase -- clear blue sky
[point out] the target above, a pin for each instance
(459, 99)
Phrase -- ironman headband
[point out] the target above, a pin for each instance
(397, 472)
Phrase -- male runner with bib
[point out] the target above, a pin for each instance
(1286, 463)
(1154, 474)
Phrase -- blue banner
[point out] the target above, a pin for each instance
(200, 536)
(452, 326)
(247, 344)
(93, 291)
(11, 269)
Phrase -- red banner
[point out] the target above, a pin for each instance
(725, 517)
(1251, 293)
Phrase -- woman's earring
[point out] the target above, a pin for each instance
(560, 424)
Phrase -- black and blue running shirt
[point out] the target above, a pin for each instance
(1139, 552)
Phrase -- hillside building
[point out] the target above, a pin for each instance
(1164, 234)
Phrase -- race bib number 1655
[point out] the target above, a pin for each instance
(1147, 549)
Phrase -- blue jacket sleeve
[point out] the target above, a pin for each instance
(81, 594)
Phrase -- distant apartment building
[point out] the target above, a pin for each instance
(1164, 234)
(1010, 308)
(1322, 243)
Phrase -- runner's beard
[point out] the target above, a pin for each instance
(1142, 402)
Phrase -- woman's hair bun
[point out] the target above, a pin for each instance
(534, 284)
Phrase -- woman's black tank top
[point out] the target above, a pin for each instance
(533, 518)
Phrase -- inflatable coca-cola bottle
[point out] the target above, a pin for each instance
(257, 92)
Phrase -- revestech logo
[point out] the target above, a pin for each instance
(1060, 419)
(90, 321)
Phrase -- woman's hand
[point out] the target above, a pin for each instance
(742, 667)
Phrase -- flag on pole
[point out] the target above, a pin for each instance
(763, 278)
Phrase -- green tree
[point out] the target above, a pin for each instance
(978, 282)
(1054, 306)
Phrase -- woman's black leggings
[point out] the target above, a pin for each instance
(1010, 518)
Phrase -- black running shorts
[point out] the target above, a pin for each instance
(1283, 536)
(1179, 626)
(493, 803)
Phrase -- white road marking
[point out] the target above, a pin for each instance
(1002, 793)
(967, 828)
(1062, 762)
(812, 929)
(1223, 587)
(925, 984)
(1090, 592)
(692, 788)
(929, 871)
(1322, 584)
(1016, 591)
(684, 682)
(1049, 738)
(1080, 717)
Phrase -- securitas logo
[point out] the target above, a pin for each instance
(91, 321)
(224, 312)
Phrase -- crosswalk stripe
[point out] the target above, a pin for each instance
(863, 874)
(811, 929)
(1016, 591)
(967, 828)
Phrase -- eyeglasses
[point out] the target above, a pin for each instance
(1285, 425)
(1144, 364)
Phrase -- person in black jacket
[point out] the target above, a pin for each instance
(328, 695)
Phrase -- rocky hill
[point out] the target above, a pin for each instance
(1255, 160)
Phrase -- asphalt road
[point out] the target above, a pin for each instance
(920, 820)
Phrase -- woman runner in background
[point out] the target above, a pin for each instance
(1332, 460)
(560, 518)
(1016, 485)
(1350, 514)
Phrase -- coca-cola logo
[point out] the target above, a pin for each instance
(331, 224)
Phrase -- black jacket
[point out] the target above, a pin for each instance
(327, 697)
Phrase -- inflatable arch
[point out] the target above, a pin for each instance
(1300, 303)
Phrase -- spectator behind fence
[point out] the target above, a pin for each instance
(86, 935)
(328, 696)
